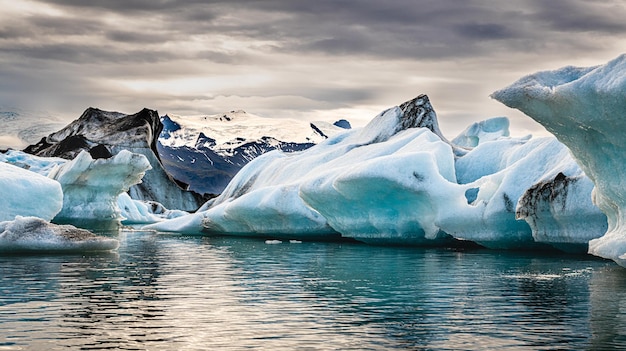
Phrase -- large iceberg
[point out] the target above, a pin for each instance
(104, 134)
(275, 193)
(585, 109)
(91, 187)
(399, 181)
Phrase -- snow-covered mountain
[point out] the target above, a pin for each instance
(21, 127)
(205, 152)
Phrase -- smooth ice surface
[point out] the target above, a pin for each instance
(27, 193)
(585, 109)
(389, 192)
(31, 234)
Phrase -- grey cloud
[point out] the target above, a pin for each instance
(581, 16)
(86, 53)
(312, 55)
(126, 5)
(132, 37)
(485, 31)
(53, 25)
(386, 29)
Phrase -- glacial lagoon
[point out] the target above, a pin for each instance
(174, 292)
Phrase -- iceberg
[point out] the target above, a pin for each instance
(91, 187)
(103, 134)
(398, 181)
(294, 195)
(584, 108)
(32, 234)
(89, 190)
(560, 212)
(144, 212)
(483, 131)
(27, 193)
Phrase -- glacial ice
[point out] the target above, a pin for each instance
(483, 131)
(399, 181)
(144, 212)
(32, 234)
(584, 108)
(501, 213)
(91, 187)
(88, 189)
(103, 134)
(27, 193)
(276, 192)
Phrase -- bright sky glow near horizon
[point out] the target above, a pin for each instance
(301, 59)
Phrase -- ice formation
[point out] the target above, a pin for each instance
(205, 152)
(27, 193)
(32, 234)
(93, 190)
(480, 132)
(584, 108)
(275, 193)
(144, 212)
(399, 181)
(513, 202)
(91, 187)
(104, 134)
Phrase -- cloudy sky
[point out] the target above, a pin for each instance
(322, 59)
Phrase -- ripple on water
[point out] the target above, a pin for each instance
(164, 292)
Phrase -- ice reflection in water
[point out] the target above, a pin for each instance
(161, 292)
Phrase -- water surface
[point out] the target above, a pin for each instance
(168, 292)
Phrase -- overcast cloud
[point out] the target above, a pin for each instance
(318, 59)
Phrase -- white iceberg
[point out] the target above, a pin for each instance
(91, 187)
(88, 190)
(31, 234)
(27, 193)
(399, 181)
(341, 184)
(585, 109)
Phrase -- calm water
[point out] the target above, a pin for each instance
(164, 292)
